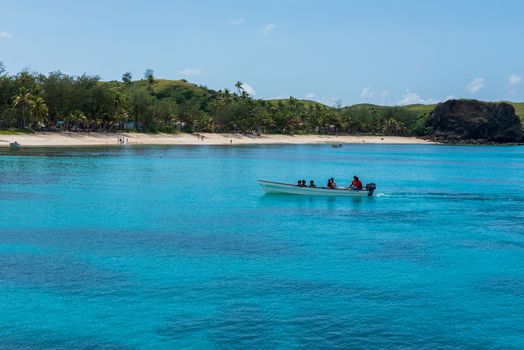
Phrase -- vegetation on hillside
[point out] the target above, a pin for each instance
(58, 101)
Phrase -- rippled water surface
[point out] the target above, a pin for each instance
(176, 247)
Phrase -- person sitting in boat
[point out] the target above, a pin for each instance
(331, 184)
(312, 183)
(299, 183)
(356, 184)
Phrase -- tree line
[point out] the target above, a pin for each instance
(59, 101)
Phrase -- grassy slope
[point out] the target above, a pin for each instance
(420, 109)
(519, 109)
(162, 85)
(11, 132)
(307, 103)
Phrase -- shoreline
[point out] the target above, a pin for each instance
(66, 138)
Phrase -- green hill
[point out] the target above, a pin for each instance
(60, 101)
(173, 88)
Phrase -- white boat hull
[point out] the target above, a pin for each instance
(277, 187)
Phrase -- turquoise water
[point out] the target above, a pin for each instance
(176, 247)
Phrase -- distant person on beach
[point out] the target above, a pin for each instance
(312, 184)
(356, 184)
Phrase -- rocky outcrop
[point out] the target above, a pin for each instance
(470, 121)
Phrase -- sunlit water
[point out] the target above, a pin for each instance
(176, 247)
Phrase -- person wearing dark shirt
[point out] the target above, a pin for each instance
(312, 184)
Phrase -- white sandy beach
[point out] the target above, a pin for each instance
(97, 138)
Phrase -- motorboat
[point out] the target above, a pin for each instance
(284, 188)
(14, 145)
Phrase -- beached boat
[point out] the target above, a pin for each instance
(278, 187)
(14, 145)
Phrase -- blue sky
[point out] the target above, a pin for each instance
(389, 52)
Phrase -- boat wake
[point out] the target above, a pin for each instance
(456, 196)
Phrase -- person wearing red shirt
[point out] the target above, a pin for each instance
(356, 184)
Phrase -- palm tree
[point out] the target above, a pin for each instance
(239, 86)
(150, 78)
(76, 119)
(24, 101)
(39, 109)
(25, 79)
(227, 96)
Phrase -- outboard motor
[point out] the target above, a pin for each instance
(371, 188)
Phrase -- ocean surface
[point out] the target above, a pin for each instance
(177, 247)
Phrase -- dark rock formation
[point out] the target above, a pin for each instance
(470, 121)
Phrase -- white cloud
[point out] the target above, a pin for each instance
(5, 35)
(311, 96)
(249, 89)
(367, 93)
(411, 97)
(475, 85)
(191, 71)
(268, 28)
(328, 101)
(237, 21)
(514, 79)
(274, 97)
